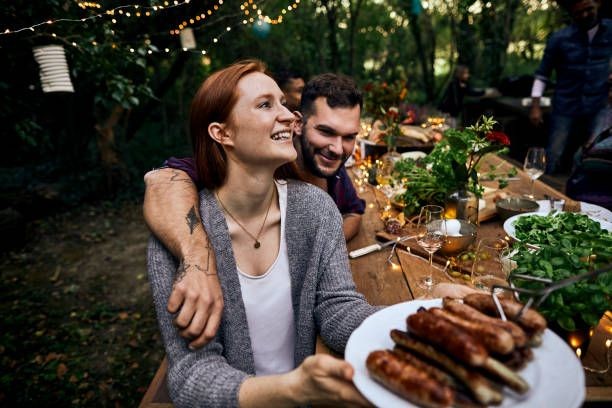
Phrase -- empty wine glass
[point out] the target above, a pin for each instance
(535, 165)
(491, 263)
(431, 233)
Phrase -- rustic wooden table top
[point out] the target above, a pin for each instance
(380, 281)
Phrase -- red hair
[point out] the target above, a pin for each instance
(214, 102)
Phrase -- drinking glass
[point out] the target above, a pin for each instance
(535, 165)
(431, 233)
(490, 264)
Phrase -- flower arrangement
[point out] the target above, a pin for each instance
(452, 165)
(378, 97)
(457, 156)
(387, 106)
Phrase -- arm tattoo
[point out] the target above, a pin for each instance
(206, 268)
(176, 176)
(181, 271)
(192, 219)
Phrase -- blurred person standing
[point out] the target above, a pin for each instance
(580, 56)
(458, 88)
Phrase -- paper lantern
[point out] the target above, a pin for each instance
(54, 75)
(188, 41)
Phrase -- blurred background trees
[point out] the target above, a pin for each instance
(133, 81)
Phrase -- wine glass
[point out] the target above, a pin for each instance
(535, 165)
(431, 233)
(491, 263)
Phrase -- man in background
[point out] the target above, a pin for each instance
(457, 90)
(292, 84)
(580, 55)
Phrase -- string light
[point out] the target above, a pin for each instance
(196, 19)
(110, 12)
(244, 7)
(88, 4)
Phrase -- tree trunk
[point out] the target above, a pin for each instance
(424, 55)
(355, 8)
(331, 10)
(114, 169)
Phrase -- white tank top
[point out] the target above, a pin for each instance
(269, 309)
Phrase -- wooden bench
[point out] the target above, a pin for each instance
(157, 393)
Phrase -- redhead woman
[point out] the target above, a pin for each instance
(281, 260)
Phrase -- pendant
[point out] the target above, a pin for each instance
(257, 244)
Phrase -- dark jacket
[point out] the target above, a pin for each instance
(582, 69)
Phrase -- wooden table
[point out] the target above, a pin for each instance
(415, 266)
(387, 283)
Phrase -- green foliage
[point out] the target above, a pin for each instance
(451, 165)
(456, 157)
(553, 229)
(422, 186)
(373, 38)
(568, 254)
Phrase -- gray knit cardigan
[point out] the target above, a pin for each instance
(325, 301)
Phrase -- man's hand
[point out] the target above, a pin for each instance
(351, 223)
(196, 296)
(170, 211)
(535, 113)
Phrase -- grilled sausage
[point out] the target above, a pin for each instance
(470, 313)
(407, 380)
(479, 386)
(506, 375)
(448, 337)
(532, 321)
(495, 340)
(517, 359)
(433, 372)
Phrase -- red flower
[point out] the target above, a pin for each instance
(393, 113)
(368, 87)
(410, 117)
(499, 137)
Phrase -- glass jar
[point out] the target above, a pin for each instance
(462, 205)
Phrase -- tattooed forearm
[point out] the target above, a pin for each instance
(183, 267)
(180, 176)
(192, 219)
(206, 268)
(181, 271)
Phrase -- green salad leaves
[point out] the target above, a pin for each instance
(547, 229)
(570, 244)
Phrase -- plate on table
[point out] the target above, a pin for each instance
(511, 232)
(592, 210)
(555, 375)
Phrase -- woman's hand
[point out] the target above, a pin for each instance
(323, 379)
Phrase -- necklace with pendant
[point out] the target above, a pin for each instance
(255, 238)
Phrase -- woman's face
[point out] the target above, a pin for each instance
(260, 125)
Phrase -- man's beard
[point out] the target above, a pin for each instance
(308, 157)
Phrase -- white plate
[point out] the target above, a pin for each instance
(555, 374)
(509, 223)
(589, 209)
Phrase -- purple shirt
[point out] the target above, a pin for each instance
(339, 186)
